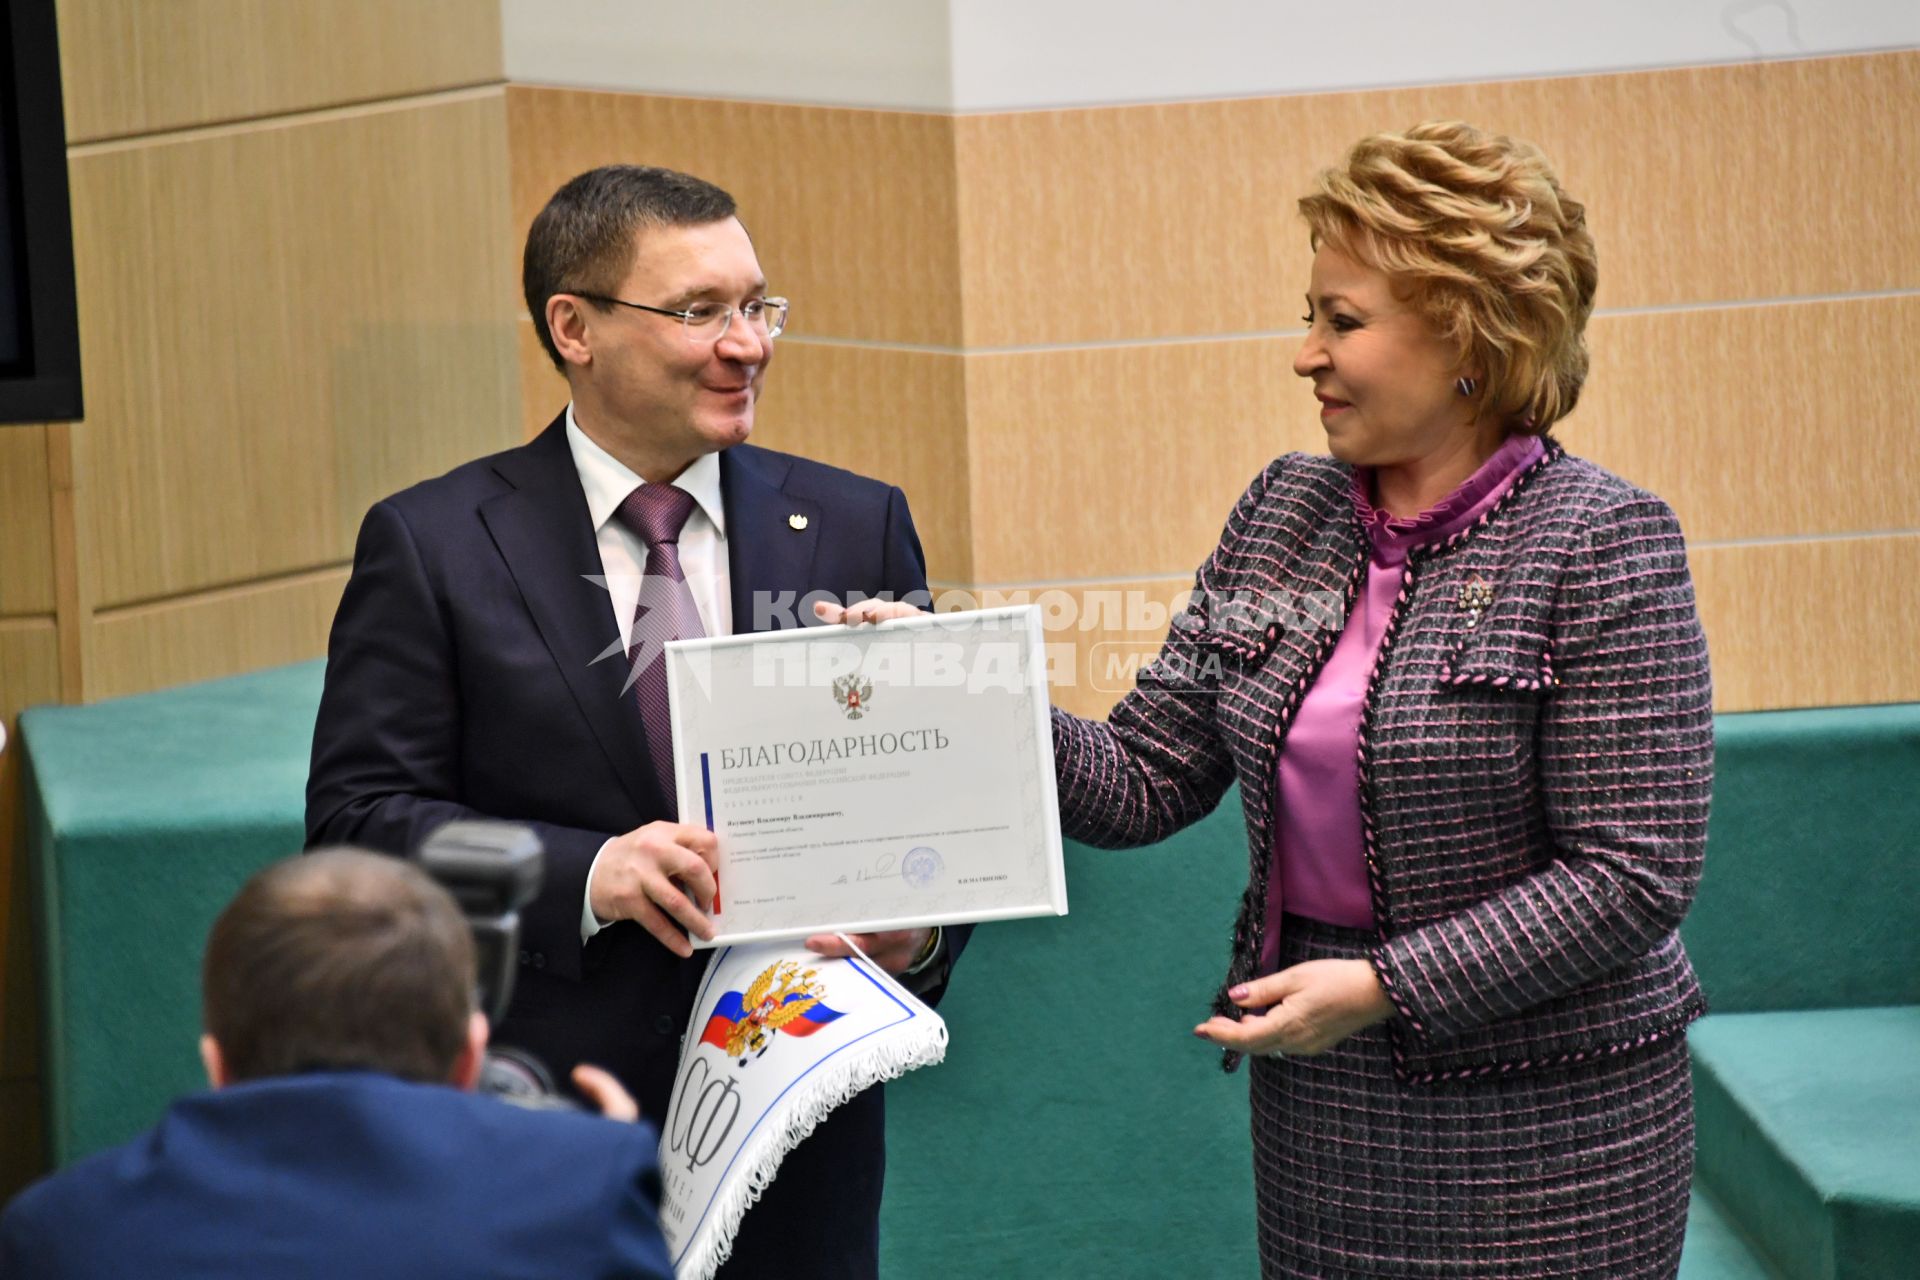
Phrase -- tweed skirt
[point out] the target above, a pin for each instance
(1573, 1172)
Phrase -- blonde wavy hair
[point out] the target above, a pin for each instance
(1475, 233)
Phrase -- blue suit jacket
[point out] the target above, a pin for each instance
(462, 682)
(348, 1174)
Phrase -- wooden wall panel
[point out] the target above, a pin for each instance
(285, 324)
(853, 212)
(1098, 634)
(1826, 623)
(1802, 624)
(1123, 461)
(29, 675)
(1166, 220)
(1767, 421)
(261, 624)
(1703, 184)
(1789, 624)
(1753, 422)
(26, 522)
(898, 416)
(543, 390)
(132, 66)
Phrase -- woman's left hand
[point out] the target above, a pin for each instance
(1314, 1006)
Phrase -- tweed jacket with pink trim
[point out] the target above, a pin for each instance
(1536, 754)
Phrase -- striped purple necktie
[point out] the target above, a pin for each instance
(665, 611)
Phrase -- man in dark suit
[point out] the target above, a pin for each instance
(340, 1138)
(475, 667)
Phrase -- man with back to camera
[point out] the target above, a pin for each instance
(341, 1136)
(476, 663)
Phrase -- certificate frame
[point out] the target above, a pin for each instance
(871, 778)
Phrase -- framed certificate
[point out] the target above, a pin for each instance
(871, 778)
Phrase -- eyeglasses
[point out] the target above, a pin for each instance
(707, 322)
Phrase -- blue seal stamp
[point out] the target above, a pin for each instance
(921, 867)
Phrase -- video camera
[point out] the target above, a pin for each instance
(493, 869)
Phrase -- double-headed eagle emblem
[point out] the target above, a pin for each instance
(782, 993)
(853, 692)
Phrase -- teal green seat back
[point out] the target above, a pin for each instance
(1076, 1116)
(146, 815)
(1811, 897)
(1809, 1129)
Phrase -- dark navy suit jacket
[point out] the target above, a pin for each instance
(348, 1174)
(462, 682)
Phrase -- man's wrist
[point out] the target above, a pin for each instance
(928, 950)
(590, 921)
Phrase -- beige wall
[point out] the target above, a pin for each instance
(1067, 332)
(289, 230)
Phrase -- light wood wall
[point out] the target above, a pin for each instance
(289, 230)
(1067, 333)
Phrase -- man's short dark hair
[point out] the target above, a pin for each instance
(340, 960)
(583, 241)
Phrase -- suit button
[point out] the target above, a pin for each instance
(539, 960)
(526, 957)
(665, 1025)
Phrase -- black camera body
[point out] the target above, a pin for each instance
(493, 869)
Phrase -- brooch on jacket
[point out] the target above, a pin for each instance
(1476, 596)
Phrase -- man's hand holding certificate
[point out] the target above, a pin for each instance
(871, 779)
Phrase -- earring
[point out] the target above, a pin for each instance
(1466, 386)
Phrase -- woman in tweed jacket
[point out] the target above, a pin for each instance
(1455, 965)
(1460, 680)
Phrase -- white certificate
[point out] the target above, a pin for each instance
(871, 778)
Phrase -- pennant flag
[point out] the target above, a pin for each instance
(783, 1037)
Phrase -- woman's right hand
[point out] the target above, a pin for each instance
(1302, 1010)
(865, 612)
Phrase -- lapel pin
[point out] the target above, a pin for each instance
(796, 521)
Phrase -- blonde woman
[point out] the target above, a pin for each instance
(1476, 793)
(1459, 677)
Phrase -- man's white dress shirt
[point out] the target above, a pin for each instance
(623, 557)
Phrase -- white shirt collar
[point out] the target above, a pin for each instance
(608, 481)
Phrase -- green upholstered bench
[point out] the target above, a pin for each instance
(1810, 1125)
(1811, 898)
(1806, 936)
(1075, 1122)
(145, 816)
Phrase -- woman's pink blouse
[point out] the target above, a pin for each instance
(1319, 852)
